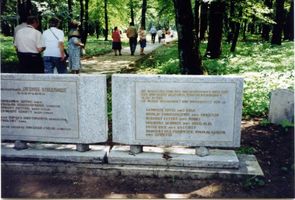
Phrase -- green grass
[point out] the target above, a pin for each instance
(263, 67)
(94, 47)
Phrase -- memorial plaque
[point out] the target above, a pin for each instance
(172, 110)
(57, 108)
(42, 109)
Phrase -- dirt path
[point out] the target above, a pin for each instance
(109, 63)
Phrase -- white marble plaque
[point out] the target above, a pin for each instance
(40, 109)
(177, 110)
(54, 108)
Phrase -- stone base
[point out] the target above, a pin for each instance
(179, 157)
(249, 167)
(55, 152)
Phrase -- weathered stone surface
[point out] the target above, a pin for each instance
(281, 106)
(182, 157)
(54, 108)
(177, 110)
(55, 152)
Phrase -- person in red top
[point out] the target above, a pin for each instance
(117, 46)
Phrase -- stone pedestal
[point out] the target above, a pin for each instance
(179, 157)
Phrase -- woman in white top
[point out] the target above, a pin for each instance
(54, 55)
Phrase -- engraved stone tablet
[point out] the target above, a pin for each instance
(53, 108)
(177, 110)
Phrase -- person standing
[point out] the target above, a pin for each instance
(132, 35)
(159, 33)
(54, 54)
(74, 47)
(142, 40)
(153, 33)
(29, 44)
(117, 45)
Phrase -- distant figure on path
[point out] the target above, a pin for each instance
(74, 46)
(142, 40)
(132, 35)
(54, 53)
(159, 33)
(29, 44)
(153, 33)
(117, 45)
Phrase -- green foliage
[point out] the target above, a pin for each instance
(246, 150)
(264, 122)
(8, 53)
(163, 61)
(253, 182)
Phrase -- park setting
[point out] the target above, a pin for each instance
(147, 99)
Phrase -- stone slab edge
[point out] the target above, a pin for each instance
(216, 159)
(249, 167)
(97, 155)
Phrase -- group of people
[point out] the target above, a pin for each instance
(30, 43)
(132, 34)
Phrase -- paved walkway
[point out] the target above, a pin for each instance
(109, 63)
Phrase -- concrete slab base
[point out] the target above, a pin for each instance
(55, 152)
(173, 156)
(249, 167)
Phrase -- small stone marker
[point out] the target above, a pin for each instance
(281, 106)
(54, 108)
(200, 111)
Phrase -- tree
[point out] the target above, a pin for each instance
(106, 20)
(289, 25)
(84, 20)
(204, 19)
(266, 27)
(278, 27)
(189, 56)
(131, 11)
(143, 11)
(217, 9)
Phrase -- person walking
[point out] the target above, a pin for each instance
(29, 45)
(74, 47)
(54, 54)
(159, 33)
(153, 33)
(132, 35)
(142, 40)
(116, 45)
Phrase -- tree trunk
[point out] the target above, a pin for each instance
(143, 11)
(189, 56)
(217, 9)
(131, 11)
(24, 9)
(196, 18)
(84, 21)
(106, 20)
(70, 8)
(289, 26)
(278, 28)
(244, 31)
(232, 26)
(204, 20)
(236, 33)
